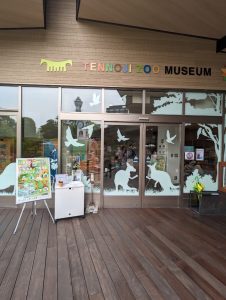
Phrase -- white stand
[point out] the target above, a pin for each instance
(33, 212)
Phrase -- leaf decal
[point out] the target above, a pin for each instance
(199, 132)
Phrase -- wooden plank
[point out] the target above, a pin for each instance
(6, 221)
(118, 279)
(214, 282)
(149, 262)
(50, 280)
(12, 244)
(8, 232)
(77, 275)
(22, 283)
(13, 268)
(35, 289)
(91, 278)
(64, 275)
(127, 271)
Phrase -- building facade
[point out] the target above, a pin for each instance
(142, 111)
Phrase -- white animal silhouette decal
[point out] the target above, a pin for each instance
(122, 178)
(96, 100)
(169, 138)
(121, 137)
(160, 177)
(71, 140)
(90, 129)
(8, 177)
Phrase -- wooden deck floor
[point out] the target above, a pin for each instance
(116, 254)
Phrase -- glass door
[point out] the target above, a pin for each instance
(162, 162)
(121, 183)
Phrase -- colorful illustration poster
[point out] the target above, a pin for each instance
(33, 179)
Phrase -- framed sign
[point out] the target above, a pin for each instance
(33, 179)
(199, 154)
(189, 155)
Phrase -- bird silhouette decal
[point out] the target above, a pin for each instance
(70, 140)
(121, 137)
(90, 129)
(95, 100)
(169, 138)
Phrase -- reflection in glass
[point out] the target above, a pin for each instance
(81, 149)
(162, 160)
(9, 97)
(7, 155)
(121, 160)
(163, 103)
(203, 104)
(122, 101)
(202, 154)
(40, 124)
(81, 100)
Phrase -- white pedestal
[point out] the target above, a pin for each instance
(69, 200)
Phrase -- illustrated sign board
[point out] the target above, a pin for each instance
(33, 179)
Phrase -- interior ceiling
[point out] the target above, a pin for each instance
(21, 14)
(206, 18)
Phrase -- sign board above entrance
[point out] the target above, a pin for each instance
(147, 69)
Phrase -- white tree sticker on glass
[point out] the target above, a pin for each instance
(95, 100)
(163, 103)
(203, 104)
(207, 170)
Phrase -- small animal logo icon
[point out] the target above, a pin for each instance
(90, 129)
(95, 100)
(8, 177)
(224, 72)
(71, 140)
(121, 137)
(56, 66)
(169, 138)
(122, 178)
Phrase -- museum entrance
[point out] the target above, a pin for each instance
(141, 164)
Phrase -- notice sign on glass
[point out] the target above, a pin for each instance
(33, 179)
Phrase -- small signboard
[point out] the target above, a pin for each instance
(33, 179)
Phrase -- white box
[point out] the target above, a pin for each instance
(69, 200)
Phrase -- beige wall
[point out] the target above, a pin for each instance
(65, 38)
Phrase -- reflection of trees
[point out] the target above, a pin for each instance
(29, 127)
(49, 130)
(7, 127)
(33, 139)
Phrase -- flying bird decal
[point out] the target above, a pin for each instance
(71, 140)
(169, 138)
(121, 137)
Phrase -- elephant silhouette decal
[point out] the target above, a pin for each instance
(56, 66)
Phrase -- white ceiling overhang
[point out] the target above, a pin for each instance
(16, 14)
(205, 19)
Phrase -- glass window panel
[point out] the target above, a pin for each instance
(81, 100)
(203, 104)
(8, 97)
(162, 160)
(163, 103)
(40, 124)
(7, 155)
(123, 101)
(121, 160)
(202, 153)
(81, 149)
